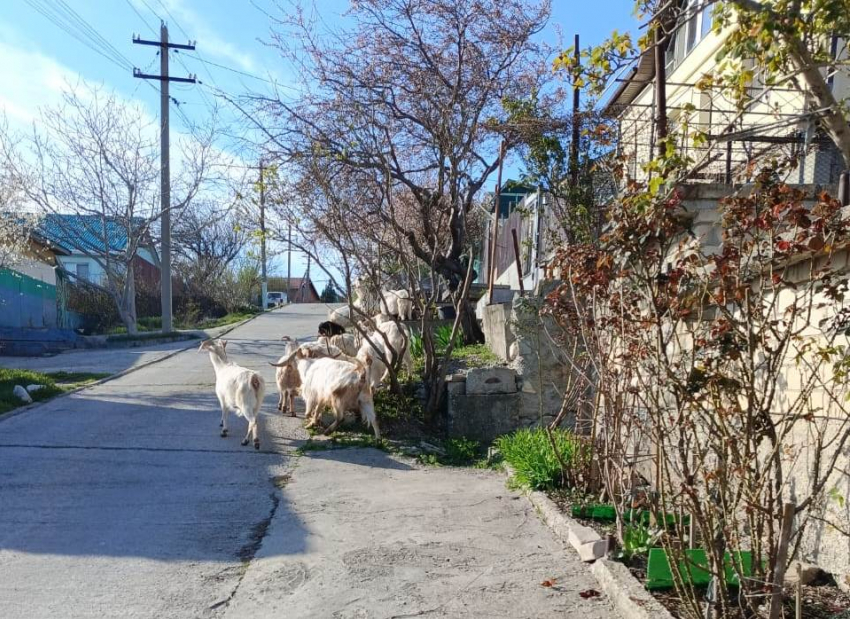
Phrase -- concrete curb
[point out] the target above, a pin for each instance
(190, 342)
(630, 599)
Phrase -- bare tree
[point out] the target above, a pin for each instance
(207, 239)
(410, 96)
(97, 157)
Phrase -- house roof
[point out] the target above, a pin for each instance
(638, 77)
(296, 283)
(83, 233)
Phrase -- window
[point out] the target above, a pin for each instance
(696, 24)
(707, 20)
(83, 271)
(692, 26)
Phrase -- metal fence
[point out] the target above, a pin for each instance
(731, 145)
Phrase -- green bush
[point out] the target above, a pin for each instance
(397, 406)
(637, 540)
(530, 454)
(443, 335)
(417, 349)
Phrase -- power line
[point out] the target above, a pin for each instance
(176, 23)
(150, 8)
(142, 17)
(226, 68)
(94, 43)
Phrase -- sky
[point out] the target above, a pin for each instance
(37, 57)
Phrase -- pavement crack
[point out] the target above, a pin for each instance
(258, 532)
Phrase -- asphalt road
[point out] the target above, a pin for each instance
(123, 501)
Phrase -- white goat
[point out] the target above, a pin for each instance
(237, 388)
(288, 380)
(341, 316)
(348, 343)
(398, 303)
(398, 338)
(342, 385)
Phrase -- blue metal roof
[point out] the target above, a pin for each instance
(84, 233)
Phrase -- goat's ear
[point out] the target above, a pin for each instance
(223, 344)
(204, 346)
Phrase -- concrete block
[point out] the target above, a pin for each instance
(456, 388)
(481, 417)
(581, 535)
(486, 381)
(592, 551)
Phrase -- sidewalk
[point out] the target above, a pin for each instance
(107, 360)
(364, 535)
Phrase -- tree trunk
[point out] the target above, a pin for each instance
(127, 305)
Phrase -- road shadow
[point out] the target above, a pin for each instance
(106, 475)
(359, 456)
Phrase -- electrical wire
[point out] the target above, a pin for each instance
(142, 17)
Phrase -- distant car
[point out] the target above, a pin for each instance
(275, 299)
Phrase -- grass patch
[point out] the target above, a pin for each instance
(530, 454)
(456, 452)
(153, 324)
(54, 384)
(476, 355)
(150, 335)
(228, 319)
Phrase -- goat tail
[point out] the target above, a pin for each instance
(256, 383)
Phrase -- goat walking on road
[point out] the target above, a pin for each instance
(237, 388)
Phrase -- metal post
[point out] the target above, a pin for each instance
(264, 285)
(729, 162)
(660, 87)
(576, 134)
(844, 188)
(165, 188)
(491, 278)
(289, 266)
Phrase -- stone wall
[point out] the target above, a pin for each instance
(496, 326)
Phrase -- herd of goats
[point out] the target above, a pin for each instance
(339, 370)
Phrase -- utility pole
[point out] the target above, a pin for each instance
(576, 133)
(289, 266)
(264, 285)
(165, 172)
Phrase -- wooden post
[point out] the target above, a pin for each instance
(518, 263)
(781, 560)
(491, 276)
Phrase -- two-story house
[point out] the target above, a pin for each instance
(776, 119)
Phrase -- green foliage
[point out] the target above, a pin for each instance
(443, 336)
(329, 294)
(535, 464)
(416, 347)
(397, 406)
(637, 540)
(476, 355)
(456, 452)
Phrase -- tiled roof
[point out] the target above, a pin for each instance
(83, 233)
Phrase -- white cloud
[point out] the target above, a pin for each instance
(209, 42)
(30, 80)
